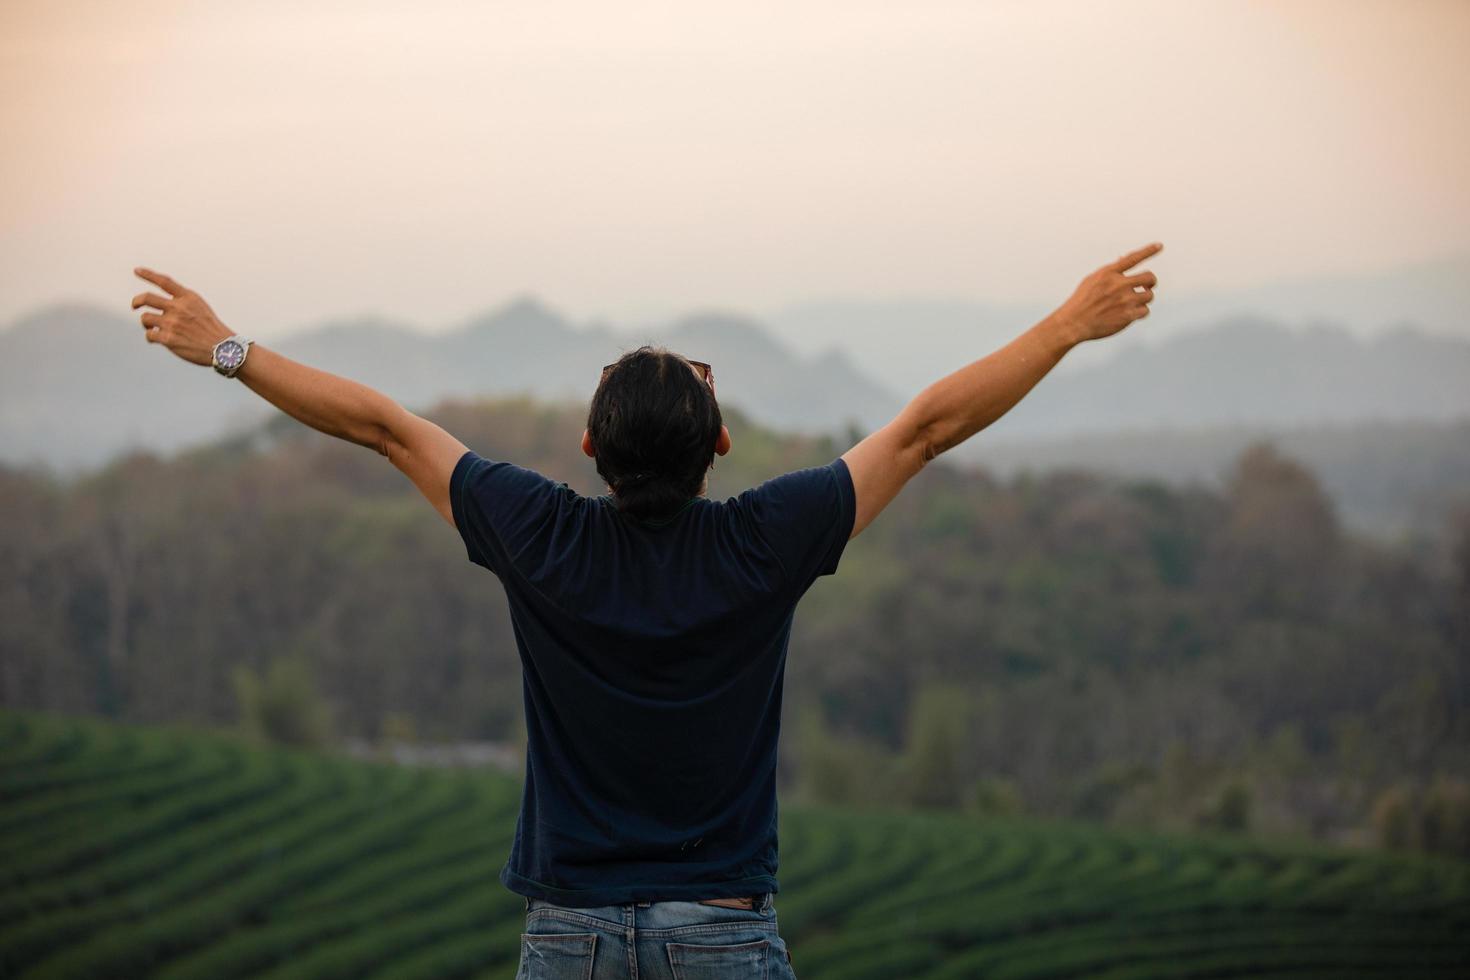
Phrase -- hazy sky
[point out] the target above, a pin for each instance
(297, 160)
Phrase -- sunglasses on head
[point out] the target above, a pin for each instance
(707, 372)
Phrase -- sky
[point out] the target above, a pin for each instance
(301, 161)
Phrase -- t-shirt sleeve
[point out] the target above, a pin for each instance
(499, 508)
(805, 517)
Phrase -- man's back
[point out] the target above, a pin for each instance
(653, 654)
(653, 657)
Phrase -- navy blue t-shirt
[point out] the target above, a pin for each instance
(653, 655)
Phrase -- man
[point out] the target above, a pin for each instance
(652, 623)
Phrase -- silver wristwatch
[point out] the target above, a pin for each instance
(229, 354)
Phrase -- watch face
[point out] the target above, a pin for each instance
(230, 354)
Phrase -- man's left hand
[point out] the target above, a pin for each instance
(183, 323)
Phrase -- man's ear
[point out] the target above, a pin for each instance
(722, 444)
(587, 443)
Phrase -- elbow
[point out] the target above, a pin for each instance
(928, 449)
(925, 433)
(382, 434)
(926, 443)
(381, 440)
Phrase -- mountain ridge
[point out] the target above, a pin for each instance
(78, 384)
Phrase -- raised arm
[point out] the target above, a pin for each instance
(185, 324)
(959, 405)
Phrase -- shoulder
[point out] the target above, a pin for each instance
(479, 476)
(499, 506)
(812, 485)
(804, 517)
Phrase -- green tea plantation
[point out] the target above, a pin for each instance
(130, 851)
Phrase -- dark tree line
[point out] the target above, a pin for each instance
(1063, 644)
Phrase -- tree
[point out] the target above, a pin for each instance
(1445, 827)
(939, 718)
(1393, 819)
(1280, 539)
(994, 796)
(1231, 810)
(283, 706)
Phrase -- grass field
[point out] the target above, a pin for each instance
(130, 851)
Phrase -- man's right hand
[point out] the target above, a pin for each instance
(962, 403)
(1108, 299)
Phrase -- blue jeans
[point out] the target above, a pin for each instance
(653, 941)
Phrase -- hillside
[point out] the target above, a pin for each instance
(1391, 479)
(1068, 644)
(177, 853)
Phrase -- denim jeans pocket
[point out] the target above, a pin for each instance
(702, 961)
(557, 956)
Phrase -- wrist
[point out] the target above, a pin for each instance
(230, 354)
(1062, 331)
(252, 357)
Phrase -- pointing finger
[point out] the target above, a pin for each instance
(1133, 258)
(150, 299)
(159, 279)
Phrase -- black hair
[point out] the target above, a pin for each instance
(653, 424)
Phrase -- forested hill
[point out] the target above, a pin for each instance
(1070, 645)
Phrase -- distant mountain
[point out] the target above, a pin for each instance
(906, 343)
(1250, 370)
(78, 384)
(1432, 296)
